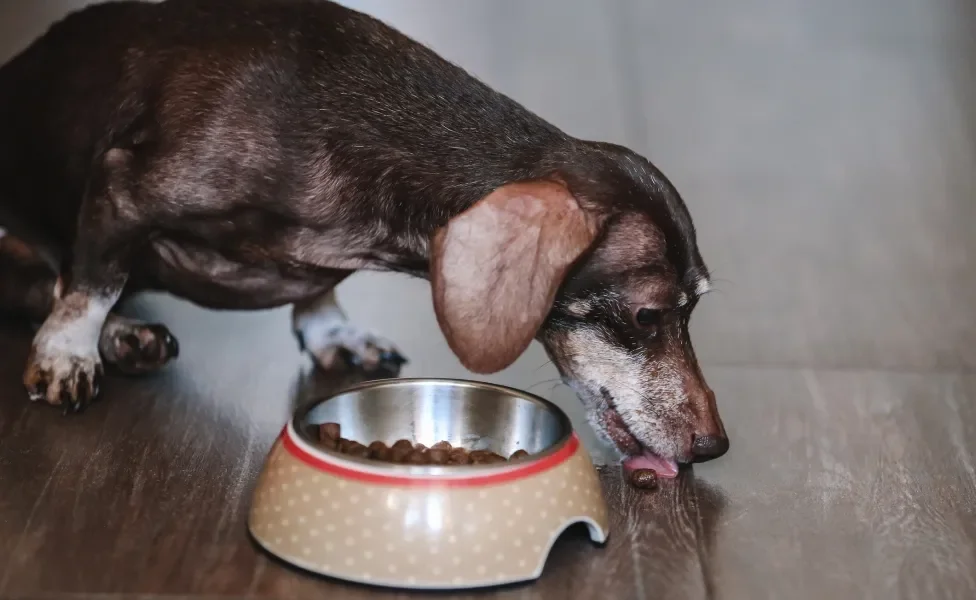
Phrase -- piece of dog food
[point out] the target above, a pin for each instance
(330, 430)
(399, 455)
(438, 456)
(329, 443)
(485, 457)
(400, 450)
(379, 451)
(358, 450)
(329, 435)
(644, 479)
(402, 445)
(478, 456)
(417, 457)
(407, 452)
(458, 456)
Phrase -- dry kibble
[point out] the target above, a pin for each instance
(345, 445)
(645, 479)
(417, 457)
(407, 452)
(403, 444)
(329, 435)
(330, 430)
(459, 456)
(379, 451)
(478, 456)
(485, 457)
(398, 454)
(358, 450)
(329, 443)
(438, 456)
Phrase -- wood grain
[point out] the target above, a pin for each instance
(826, 150)
(841, 482)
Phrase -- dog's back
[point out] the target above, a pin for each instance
(306, 77)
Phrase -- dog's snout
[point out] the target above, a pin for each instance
(708, 447)
(709, 440)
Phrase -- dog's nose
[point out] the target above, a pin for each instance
(707, 447)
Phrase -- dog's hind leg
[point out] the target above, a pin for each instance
(28, 282)
(323, 331)
(29, 285)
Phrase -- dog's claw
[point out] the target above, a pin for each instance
(70, 382)
(170, 343)
(393, 357)
(389, 361)
(37, 392)
(349, 346)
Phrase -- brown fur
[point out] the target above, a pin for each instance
(496, 268)
(250, 154)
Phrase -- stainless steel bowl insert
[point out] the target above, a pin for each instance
(476, 416)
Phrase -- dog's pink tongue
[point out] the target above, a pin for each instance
(665, 468)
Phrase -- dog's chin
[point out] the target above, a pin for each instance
(610, 425)
(635, 454)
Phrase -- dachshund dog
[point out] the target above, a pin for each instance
(246, 154)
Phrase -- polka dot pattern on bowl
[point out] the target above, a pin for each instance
(421, 536)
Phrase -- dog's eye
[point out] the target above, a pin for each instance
(648, 317)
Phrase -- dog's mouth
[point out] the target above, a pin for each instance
(637, 455)
(664, 467)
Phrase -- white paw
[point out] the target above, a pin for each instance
(63, 379)
(346, 343)
(64, 367)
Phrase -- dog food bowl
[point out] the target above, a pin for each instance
(427, 527)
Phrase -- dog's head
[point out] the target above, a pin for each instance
(602, 266)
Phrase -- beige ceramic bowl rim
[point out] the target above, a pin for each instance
(299, 443)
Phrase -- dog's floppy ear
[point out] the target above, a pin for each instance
(496, 267)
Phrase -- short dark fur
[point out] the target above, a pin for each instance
(240, 143)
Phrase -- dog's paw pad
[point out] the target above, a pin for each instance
(350, 346)
(141, 349)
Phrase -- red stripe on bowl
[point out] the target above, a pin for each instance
(453, 480)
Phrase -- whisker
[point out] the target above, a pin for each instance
(556, 381)
(715, 281)
(555, 385)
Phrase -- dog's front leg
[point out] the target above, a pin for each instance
(323, 331)
(64, 367)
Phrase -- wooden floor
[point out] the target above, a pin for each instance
(827, 149)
